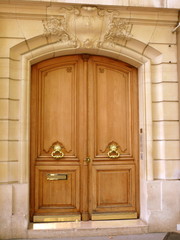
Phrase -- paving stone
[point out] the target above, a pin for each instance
(172, 236)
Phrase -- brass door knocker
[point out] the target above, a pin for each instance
(113, 152)
(57, 153)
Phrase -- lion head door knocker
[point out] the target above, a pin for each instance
(57, 153)
(113, 151)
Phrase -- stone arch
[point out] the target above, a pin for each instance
(34, 50)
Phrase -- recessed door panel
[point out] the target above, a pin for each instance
(108, 197)
(57, 189)
(57, 92)
(112, 108)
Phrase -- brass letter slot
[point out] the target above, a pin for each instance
(56, 176)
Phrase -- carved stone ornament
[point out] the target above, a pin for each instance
(118, 29)
(56, 26)
(82, 27)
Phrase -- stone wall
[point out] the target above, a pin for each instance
(29, 34)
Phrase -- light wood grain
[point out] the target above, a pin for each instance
(84, 103)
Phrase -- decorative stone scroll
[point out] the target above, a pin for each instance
(87, 27)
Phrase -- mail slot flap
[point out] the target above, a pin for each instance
(57, 176)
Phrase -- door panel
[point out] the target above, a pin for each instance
(56, 131)
(106, 196)
(61, 193)
(113, 122)
(57, 104)
(84, 107)
(57, 93)
(112, 109)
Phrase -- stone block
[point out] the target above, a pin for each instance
(14, 130)
(37, 42)
(21, 200)
(154, 192)
(5, 210)
(3, 130)
(162, 221)
(167, 219)
(5, 228)
(166, 169)
(142, 32)
(152, 53)
(166, 130)
(15, 70)
(31, 28)
(169, 52)
(165, 111)
(166, 150)
(4, 104)
(19, 218)
(17, 50)
(4, 88)
(165, 91)
(163, 34)
(171, 195)
(14, 109)
(10, 28)
(156, 4)
(13, 171)
(19, 227)
(173, 4)
(156, 73)
(170, 91)
(169, 72)
(135, 44)
(5, 200)
(6, 44)
(14, 150)
(4, 68)
(3, 151)
(39, 53)
(3, 172)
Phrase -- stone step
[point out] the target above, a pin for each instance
(148, 236)
(89, 228)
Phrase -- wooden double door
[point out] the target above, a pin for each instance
(84, 139)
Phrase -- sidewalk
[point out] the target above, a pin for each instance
(148, 236)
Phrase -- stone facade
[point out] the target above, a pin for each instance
(137, 32)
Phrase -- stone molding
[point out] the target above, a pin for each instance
(164, 4)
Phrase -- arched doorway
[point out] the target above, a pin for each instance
(84, 139)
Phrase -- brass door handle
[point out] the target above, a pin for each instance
(88, 159)
(57, 153)
(113, 152)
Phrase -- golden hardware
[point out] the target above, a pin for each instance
(56, 176)
(113, 216)
(57, 153)
(88, 159)
(58, 218)
(113, 152)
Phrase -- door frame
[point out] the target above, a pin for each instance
(145, 116)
